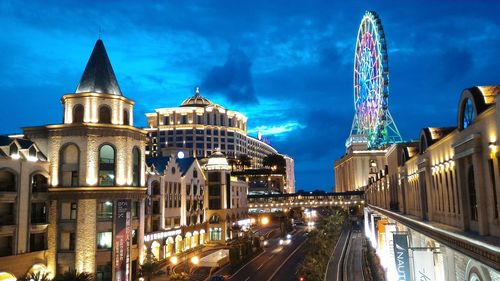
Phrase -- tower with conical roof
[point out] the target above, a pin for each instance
(96, 176)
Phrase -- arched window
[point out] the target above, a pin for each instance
(126, 118)
(155, 188)
(214, 219)
(104, 114)
(70, 156)
(7, 181)
(78, 111)
(106, 165)
(472, 194)
(39, 183)
(469, 114)
(136, 167)
(195, 173)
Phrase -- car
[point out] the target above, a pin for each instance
(287, 240)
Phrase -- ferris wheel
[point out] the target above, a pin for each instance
(372, 121)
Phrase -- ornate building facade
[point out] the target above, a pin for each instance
(444, 189)
(198, 126)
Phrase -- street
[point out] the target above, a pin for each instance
(273, 259)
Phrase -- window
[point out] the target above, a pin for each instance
(184, 119)
(104, 114)
(39, 183)
(200, 119)
(7, 214)
(78, 111)
(7, 181)
(166, 120)
(472, 194)
(156, 207)
(493, 185)
(195, 174)
(214, 204)
(38, 242)
(188, 189)
(105, 210)
(134, 236)
(155, 188)
(70, 161)
(38, 213)
(136, 167)
(136, 209)
(32, 152)
(67, 241)
(106, 165)
(5, 246)
(104, 240)
(215, 233)
(68, 211)
(126, 118)
(469, 114)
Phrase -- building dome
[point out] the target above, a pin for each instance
(197, 100)
(217, 161)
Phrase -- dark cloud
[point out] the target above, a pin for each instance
(233, 79)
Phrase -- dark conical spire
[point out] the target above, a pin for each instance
(99, 76)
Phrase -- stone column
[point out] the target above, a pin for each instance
(86, 236)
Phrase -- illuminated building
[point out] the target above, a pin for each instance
(24, 207)
(226, 198)
(175, 213)
(198, 126)
(446, 185)
(87, 195)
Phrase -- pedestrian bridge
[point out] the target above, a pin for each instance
(277, 202)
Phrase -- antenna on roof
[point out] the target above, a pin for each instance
(100, 32)
(197, 93)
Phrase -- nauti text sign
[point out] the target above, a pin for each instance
(401, 257)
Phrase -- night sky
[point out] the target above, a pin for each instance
(287, 65)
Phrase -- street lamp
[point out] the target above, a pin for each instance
(265, 221)
(195, 261)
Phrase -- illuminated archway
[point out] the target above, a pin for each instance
(178, 244)
(169, 247)
(202, 237)
(155, 249)
(195, 239)
(187, 241)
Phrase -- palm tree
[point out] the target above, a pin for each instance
(72, 275)
(244, 161)
(39, 276)
(275, 161)
(150, 267)
(179, 276)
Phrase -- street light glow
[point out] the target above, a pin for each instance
(174, 260)
(195, 260)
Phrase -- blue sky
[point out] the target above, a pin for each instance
(286, 64)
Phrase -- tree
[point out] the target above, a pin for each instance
(150, 267)
(232, 162)
(275, 161)
(72, 275)
(39, 276)
(234, 255)
(244, 161)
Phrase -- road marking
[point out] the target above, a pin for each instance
(289, 256)
(260, 266)
(247, 264)
(248, 278)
